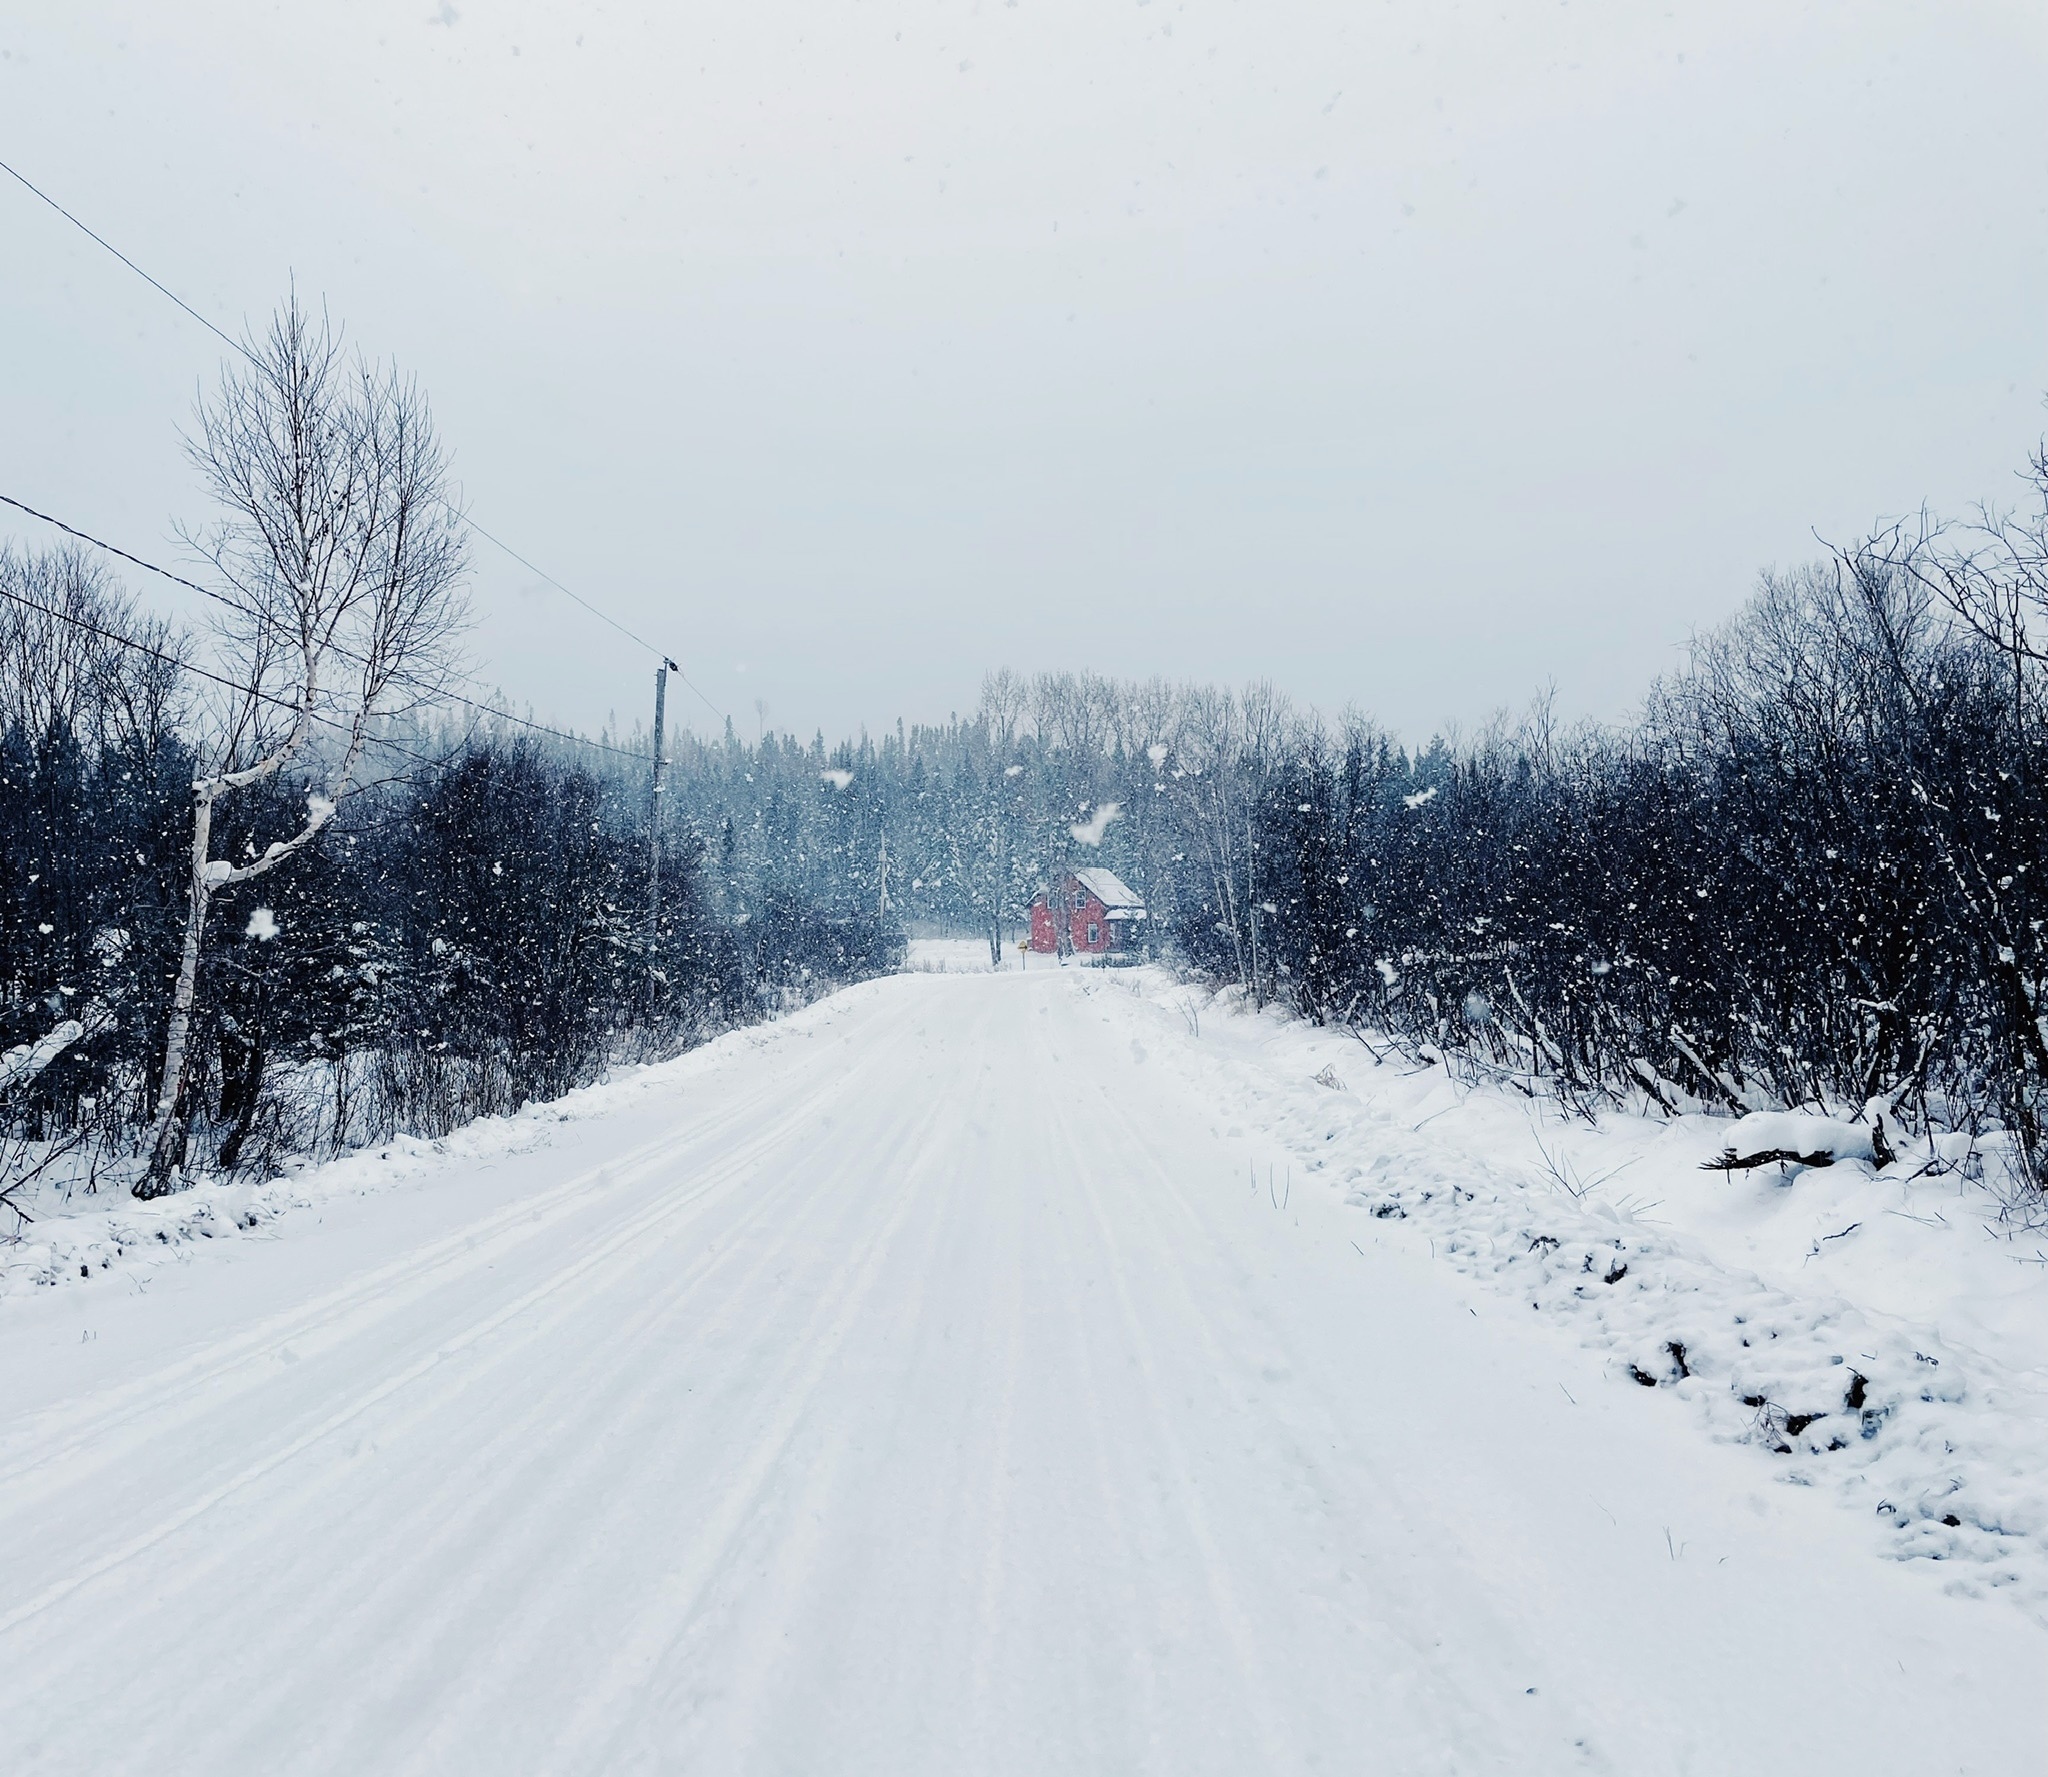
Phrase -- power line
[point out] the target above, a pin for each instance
(219, 598)
(661, 654)
(71, 530)
(238, 346)
(382, 742)
(101, 240)
(178, 661)
(163, 654)
(200, 672)
(557, 585)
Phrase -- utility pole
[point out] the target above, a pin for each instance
(654, 820)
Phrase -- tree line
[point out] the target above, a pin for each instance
(1810, 873)
(1807, 873)
(262, 897)
(461, 937)
(266, 897)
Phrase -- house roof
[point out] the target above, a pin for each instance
(1108, 888)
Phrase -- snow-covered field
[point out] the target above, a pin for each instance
(969, 956)
(954, 956)
(1025, 1372)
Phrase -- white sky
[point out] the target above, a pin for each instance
(1410, 355)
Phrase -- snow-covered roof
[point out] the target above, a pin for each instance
(1109, 889)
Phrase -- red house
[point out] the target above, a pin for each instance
(1092, 910)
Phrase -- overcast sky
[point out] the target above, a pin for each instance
(1408, 355)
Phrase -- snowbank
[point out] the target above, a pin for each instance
(1797, 1138)
(85, 1236)
(1878, 1332)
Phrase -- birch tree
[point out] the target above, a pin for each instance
(340, 558)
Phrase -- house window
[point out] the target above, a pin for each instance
(1094, 933)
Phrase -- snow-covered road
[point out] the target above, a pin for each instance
(923, 1385)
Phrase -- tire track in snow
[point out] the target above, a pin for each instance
(648, 1642)
(364, 1301)
(592, 1258)
(805, 1574)
(993, 1495)
(518, 1505)
(1230, 1613)
(531, 1640)
(1237, 1334)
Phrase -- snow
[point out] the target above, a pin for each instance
(1090, 831)
(1881, 1333)
(1010, 1373)
(1109, 888)
(26, 1060)
(952, 956)
(1771, 1135)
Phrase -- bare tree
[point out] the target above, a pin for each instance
(1992, 573)
(1004, 698)
(340, 556)
(24, 1162)
(76, 656)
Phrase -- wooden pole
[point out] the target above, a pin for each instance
(654, 820)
